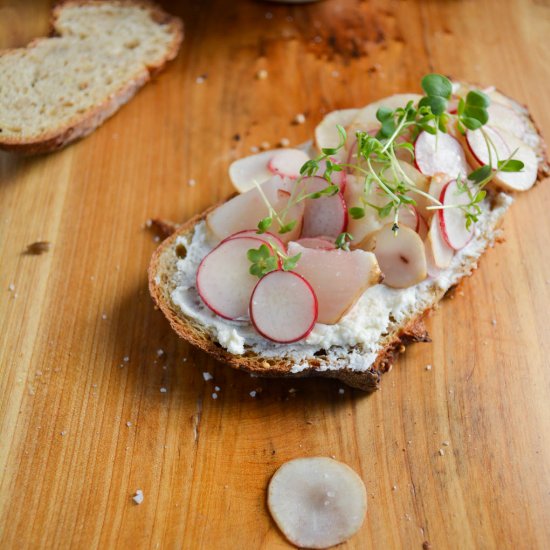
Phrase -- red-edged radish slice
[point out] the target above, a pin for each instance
(422, 227)
(322, 243)
(244, 172)
(508, 119)
(338, 277)
(223, 279)
(400, 255)
(439, 153)
(453, 220)
(337, 178)
(266, 237)
(245, 211)
(283, 307)
(287, 162)
(317, 502)
(503, 145)
(325, 216)
(440, 253)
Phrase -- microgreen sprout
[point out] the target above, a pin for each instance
(268, 258)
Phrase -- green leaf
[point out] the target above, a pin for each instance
(479, 113)
(342, 241)
(309, 168)
(510, 165)
(480, 174)
(288, 227)
(384, 113)
(263, 261)
(385, 210)
(437, 85)
(461, 107)
(264, 224)
(326, 192)
(290, 263)
(356, 212)
(437, 104)
(478, 99)
(471, 123)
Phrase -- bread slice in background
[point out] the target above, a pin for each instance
(61, 88)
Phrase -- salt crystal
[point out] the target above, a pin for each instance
(129, 424)
(214, 396)
(341, 391)
(284, 142)
(217, 388)
(252, 393)
(138, 497)
(207, 376)
(126, 359)
(428, 367)
(163, 390)
(441, 452)
(299, 118)
(160, 352)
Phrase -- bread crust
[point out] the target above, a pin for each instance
(81, 125)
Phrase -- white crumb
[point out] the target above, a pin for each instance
(11, 287)
(214, 396)
(265, 145)
(252, 393)
(494, 322)
(446, 443)
(160, 352)
(138, 497)
(254, 149)
(299, 118)
(200, 79)
(104, 316)
(261, 74)
(217, 388)
(129, 424)
(126, 358)
(428, 367)
(192, 182)
(284, 142)
(163, 390)
(292, 390)
(156, 239)
(341, 391)
(441, 452)
(207, 376)
(63, 432)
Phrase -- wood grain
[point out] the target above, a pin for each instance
(82, 429)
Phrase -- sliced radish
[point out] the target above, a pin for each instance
(508, 119)
(266, 237)
(323, 243)
(338, 277)
(317, 502)
(223, 279)
(503, 145)
(439, 254)
(325, 216)
(245, 211)
(453, 220)
(287, 162)
(366, 117)
(336, 178)
(244, 172)
(283, 307)
(422, 227)
(400, 255)
(409, 216)
(326, 134)
(439, 153)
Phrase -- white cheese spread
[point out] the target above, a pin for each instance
(378, 310)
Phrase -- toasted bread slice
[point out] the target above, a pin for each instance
(59, 89)
(357, 365)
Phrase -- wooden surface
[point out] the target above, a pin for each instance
(81, 429)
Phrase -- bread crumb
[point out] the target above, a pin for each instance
(446, 443)
(254, 149)
(394, 488)
(163, 390)
(207, 376)
(200, 79)
(160, 352)
(11, 287)
(300, 118)
(284, 142)
(192, 182)
(126, 358)
(265, 145)
(341, 391)
(138, 497)
(441, 452)
(494, 322)
(217, 388)
(252, 393)
(38, 247)
(261, 74)
(129, 424)
(104, 316)
(149, 223)
(214, 396)
(63, 432)
(428, 367)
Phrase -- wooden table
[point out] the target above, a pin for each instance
(84, 354)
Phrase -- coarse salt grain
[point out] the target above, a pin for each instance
(214, 396)
(299, 118)
(217, 388)
(207, 376)
(284, 142)
(160, 352)
(341, 391)
(441, 452)
(428, 367)
(126, 358)
(129, 424)
(138, 497)
(163, 390)
(252, 393)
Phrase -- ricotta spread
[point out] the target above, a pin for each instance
(376, 313)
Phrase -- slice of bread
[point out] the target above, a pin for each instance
(59, 89)
(354, 365)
